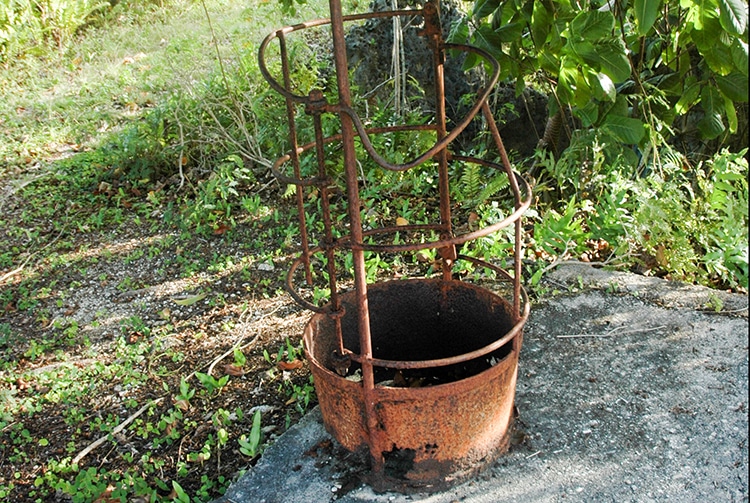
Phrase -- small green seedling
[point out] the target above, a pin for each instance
(211, 383)
(250, 447)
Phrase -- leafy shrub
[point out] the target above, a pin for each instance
(695, 222)
(26, 23)
(637, 69)
(685, 223)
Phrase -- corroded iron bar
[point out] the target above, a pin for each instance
(433, 32)
(294, 154)
(316, 97)
(517, 197)
(355, 225)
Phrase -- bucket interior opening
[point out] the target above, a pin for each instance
(421, 320)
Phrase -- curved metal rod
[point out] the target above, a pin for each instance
(312, 24)
(361, 130)
(440, 145)
(345, 241)
(456, 240)
(452, 360)
(290, 282)
(483, 263)
(317, 181)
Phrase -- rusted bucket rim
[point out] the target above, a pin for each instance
(452, 360)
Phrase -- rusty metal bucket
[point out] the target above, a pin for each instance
(434, 426)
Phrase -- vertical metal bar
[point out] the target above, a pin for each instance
(295, 158)
(325, 206)
(355, 223)
(433, 31)
(517, 197)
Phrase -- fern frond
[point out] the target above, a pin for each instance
(471, 181)
(495, 185)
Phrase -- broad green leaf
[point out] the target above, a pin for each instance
(731, 114)
(625, 129)
(646, 12)
(255, 431)
(540, 24)
(704, 15)
(472, 60)
(719, 58)
(588, 114)
(486, 38)
(520, 86)
(524, 13)
(583, 90)
(607, 86)
(734, 86)
(583, 51)
(510, 32)
(739, 55)
(712, 100)
(508, 66)
(484, 8)
(614, 61)
(459, 33)
(705, 34)
(671, 84)
(592, 25)
(733, 16)
(619, 107)
(688, 99)
(548, 62)
(711, 126)
(555, 40)
(566, 82)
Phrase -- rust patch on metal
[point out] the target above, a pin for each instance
(441, 424)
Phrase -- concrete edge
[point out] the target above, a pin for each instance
(670, 294)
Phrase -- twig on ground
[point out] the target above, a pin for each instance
(242, 337)
(611, 333)
(234, 348)
(723, 311)
(266, 185)
(21, 267)
(115, 431)
(181, 153)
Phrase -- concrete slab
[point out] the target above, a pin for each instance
(629, 389)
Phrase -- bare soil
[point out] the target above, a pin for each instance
(174, 334)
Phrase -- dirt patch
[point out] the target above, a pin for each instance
(116, 323)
